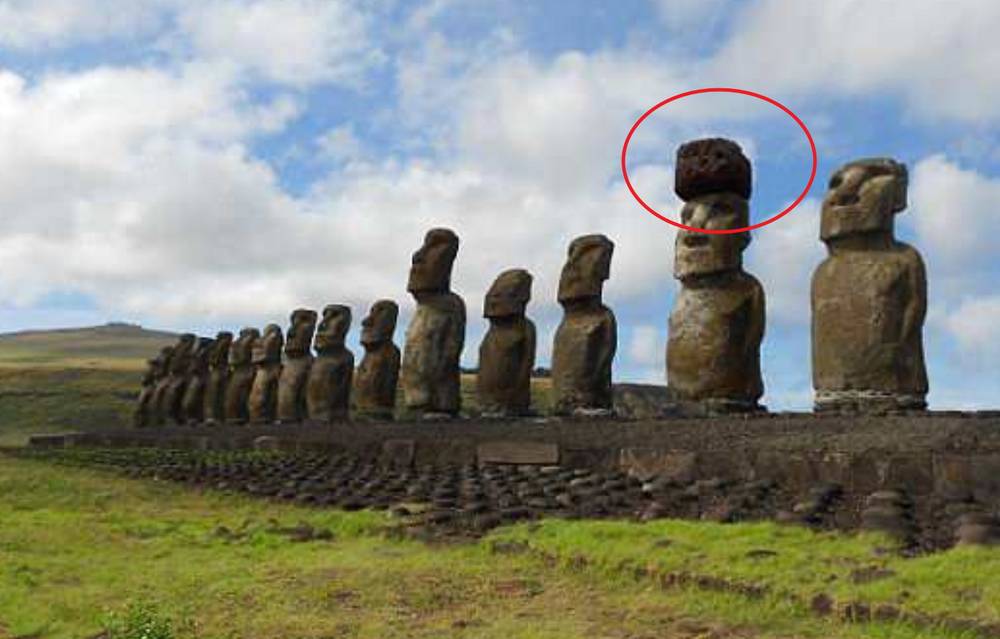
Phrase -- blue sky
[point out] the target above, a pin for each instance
(213, 164)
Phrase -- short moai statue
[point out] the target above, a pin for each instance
(218, 378)
(193, 404)
(295, 370)
(869, 297)
(328, 390)
(241, 375)
(717, 323)
(267, 371)
(158, 402)
(154, 372)
(587, 338)
(431, 376)
(507, 352)
(375, 380)
(177, 379)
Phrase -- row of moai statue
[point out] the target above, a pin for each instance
(868, 306)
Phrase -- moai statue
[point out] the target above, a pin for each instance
(295, 371)
(717, 324)
(241, 374)
(587, 337)
(158, 402)
(507, 353)
(263, 403)
(869, 297)
(328, 391)
(431, 376)
(143, 415)
(374, 394)
(218, 378)
(193, 404)
(177, 378)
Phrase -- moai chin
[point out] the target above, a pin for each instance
(158, 402)
(587, 338)
(177, 379)
(431, 376)
(869, 297)
(266, 360)
(295, 371)
(375, 381)
(193, 404)
(241, 375)
(155, 372)
(328, 390)
(218, 378)
(507, 352)
(717, 323)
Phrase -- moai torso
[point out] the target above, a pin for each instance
(507, 352)
(144, 410)
(328, 390)
(869, 297)
(431, 376)
(587, 338)
(295, 370)
(193, 405)
(158, 401)
(177, 379)
(218, 378)
(263, 403)
(241, 375)
(375, 380)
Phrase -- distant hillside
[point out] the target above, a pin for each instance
(113, 345)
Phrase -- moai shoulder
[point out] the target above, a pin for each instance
(295, 370)
(507, 352)
(328, 390)
(377, 377)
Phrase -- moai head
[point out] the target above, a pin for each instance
(509, 294)
(183, 350)
(200, 355)
(864, 196)
(219, 357)
(430, 271)
(267, 349)
(333, 328)
(300, 332)
(241, 352)
(587, 266)
(380, 323)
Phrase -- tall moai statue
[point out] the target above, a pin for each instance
(507, 352)
(218, 378)
(375, 381)
(193, 404)
(177, 379)
(431, 376)
(158, 402)
(717, 324)
(587, 338)
(869, 297)
(328, 390)
(144, 409)
(295, 371)
(241, 375)
(263, 403)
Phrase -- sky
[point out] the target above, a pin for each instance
(210, 164)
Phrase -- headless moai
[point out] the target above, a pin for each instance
(240, 378)
(193, 404)
(177, 379)
(295, 370)
(263, 405)
(587, 338)
(155, 372)
(328, 390)
(375, 381)
(218, 378)
(869, 297)
(431, 376)
(717, 324)
(507, 352)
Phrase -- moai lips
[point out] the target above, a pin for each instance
(241, 375)
(376, 378)
(295, 371)
(507, 353)
(266, 359)
(218, 378)
(328, 389)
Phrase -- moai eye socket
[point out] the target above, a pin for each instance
(836, 181)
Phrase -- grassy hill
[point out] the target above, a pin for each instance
(113, 345)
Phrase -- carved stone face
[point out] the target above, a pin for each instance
(267, 349)
(586, 268)
(863, 197)
(703, 253)
(300, 332)
(333, 329)
(509, 294)
(241, 352)
(380, 323)
(183, 350)
(219, 356)
(430, 270)
(199, 358)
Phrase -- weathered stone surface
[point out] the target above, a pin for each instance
(328, 391)
(193, 404)
(517, 452)
(587, 338)
(376, 379)
(266, 360)
(430, 371)
(717, 324)
(507, 352)
(711, 165)
(869, 297)
(241, 374)
(295, 370)
(218, 378)
(158, 401)
(177, 378)
(155, 373)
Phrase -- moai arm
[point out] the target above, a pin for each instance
(916, 307)
(758, 318)
(528, 363)
(609, 343)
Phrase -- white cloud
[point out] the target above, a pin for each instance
(340, 144)
(35, 24)
(975, 325)
(680, 15)
(647, 346)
